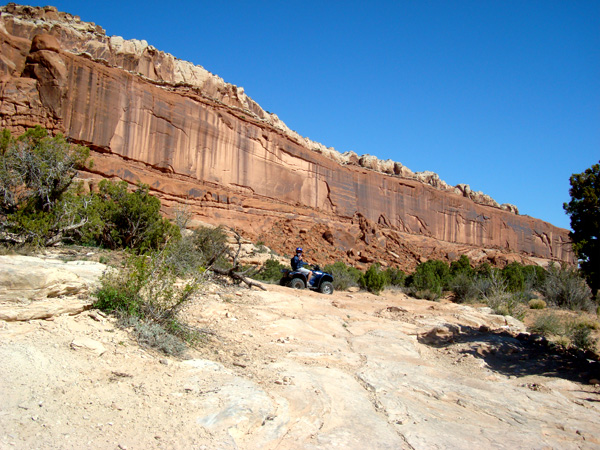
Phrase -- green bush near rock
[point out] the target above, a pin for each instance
(432, 275)
(119, 218)
(41, 205)
(344, 276)
(271, 271)
(374, 279)
(38, 201)
(394, 277)
(146, 293)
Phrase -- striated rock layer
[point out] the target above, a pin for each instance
(203, 144)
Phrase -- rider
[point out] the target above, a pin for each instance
(298, 263)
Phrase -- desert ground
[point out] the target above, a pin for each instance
(281, 369)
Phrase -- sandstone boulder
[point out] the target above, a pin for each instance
(25, 278)
(45, 42)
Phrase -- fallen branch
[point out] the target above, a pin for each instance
(235, 273)
(238, 276)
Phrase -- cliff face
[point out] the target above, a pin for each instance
(200, 142)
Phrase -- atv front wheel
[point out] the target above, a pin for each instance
(296, 283)
(326, 288)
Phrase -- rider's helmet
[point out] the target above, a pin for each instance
(299, 250)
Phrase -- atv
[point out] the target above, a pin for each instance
(320, 281)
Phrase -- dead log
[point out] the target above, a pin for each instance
(238, 276)
(235, 273)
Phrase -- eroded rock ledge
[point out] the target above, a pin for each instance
(140, 58)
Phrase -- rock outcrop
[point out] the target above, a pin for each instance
(203, 143)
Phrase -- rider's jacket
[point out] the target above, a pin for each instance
(297, 263)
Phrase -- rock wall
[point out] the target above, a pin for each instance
(200, 142)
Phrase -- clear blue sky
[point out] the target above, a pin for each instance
(503, 95)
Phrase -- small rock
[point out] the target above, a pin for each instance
(164, 361)
(88, 344)
(95, 316)
(483, 350)
(396, 309)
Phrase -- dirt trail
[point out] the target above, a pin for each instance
(289, 369)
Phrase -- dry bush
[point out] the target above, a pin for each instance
(565, 288)
(536, 303)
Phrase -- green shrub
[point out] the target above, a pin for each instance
(146, 290)
(193, 253)
(344, 276)
(184, 258)
(589, 323)
(464, 287)
(537, 303)
(564, 287)
(271, 271)
(394, 277)
(534, 277)
(461, 266)
(424, 294)
(212, 244)
(484, 270)
(36, 177)
(432, 275)
(373, 280)
(514, 276)
(119, 294)
(119, 218)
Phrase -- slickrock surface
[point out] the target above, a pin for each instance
(200, 142)
(287, 369)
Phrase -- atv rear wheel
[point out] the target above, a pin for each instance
(296, 283)
(326, 288)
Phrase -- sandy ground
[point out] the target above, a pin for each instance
(295, 369)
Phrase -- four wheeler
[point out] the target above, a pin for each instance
(320, 281)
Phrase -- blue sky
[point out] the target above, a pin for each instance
(503, 95)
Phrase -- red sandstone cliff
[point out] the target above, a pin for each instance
(199, 141)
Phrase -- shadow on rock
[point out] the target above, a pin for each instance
(516, 354)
